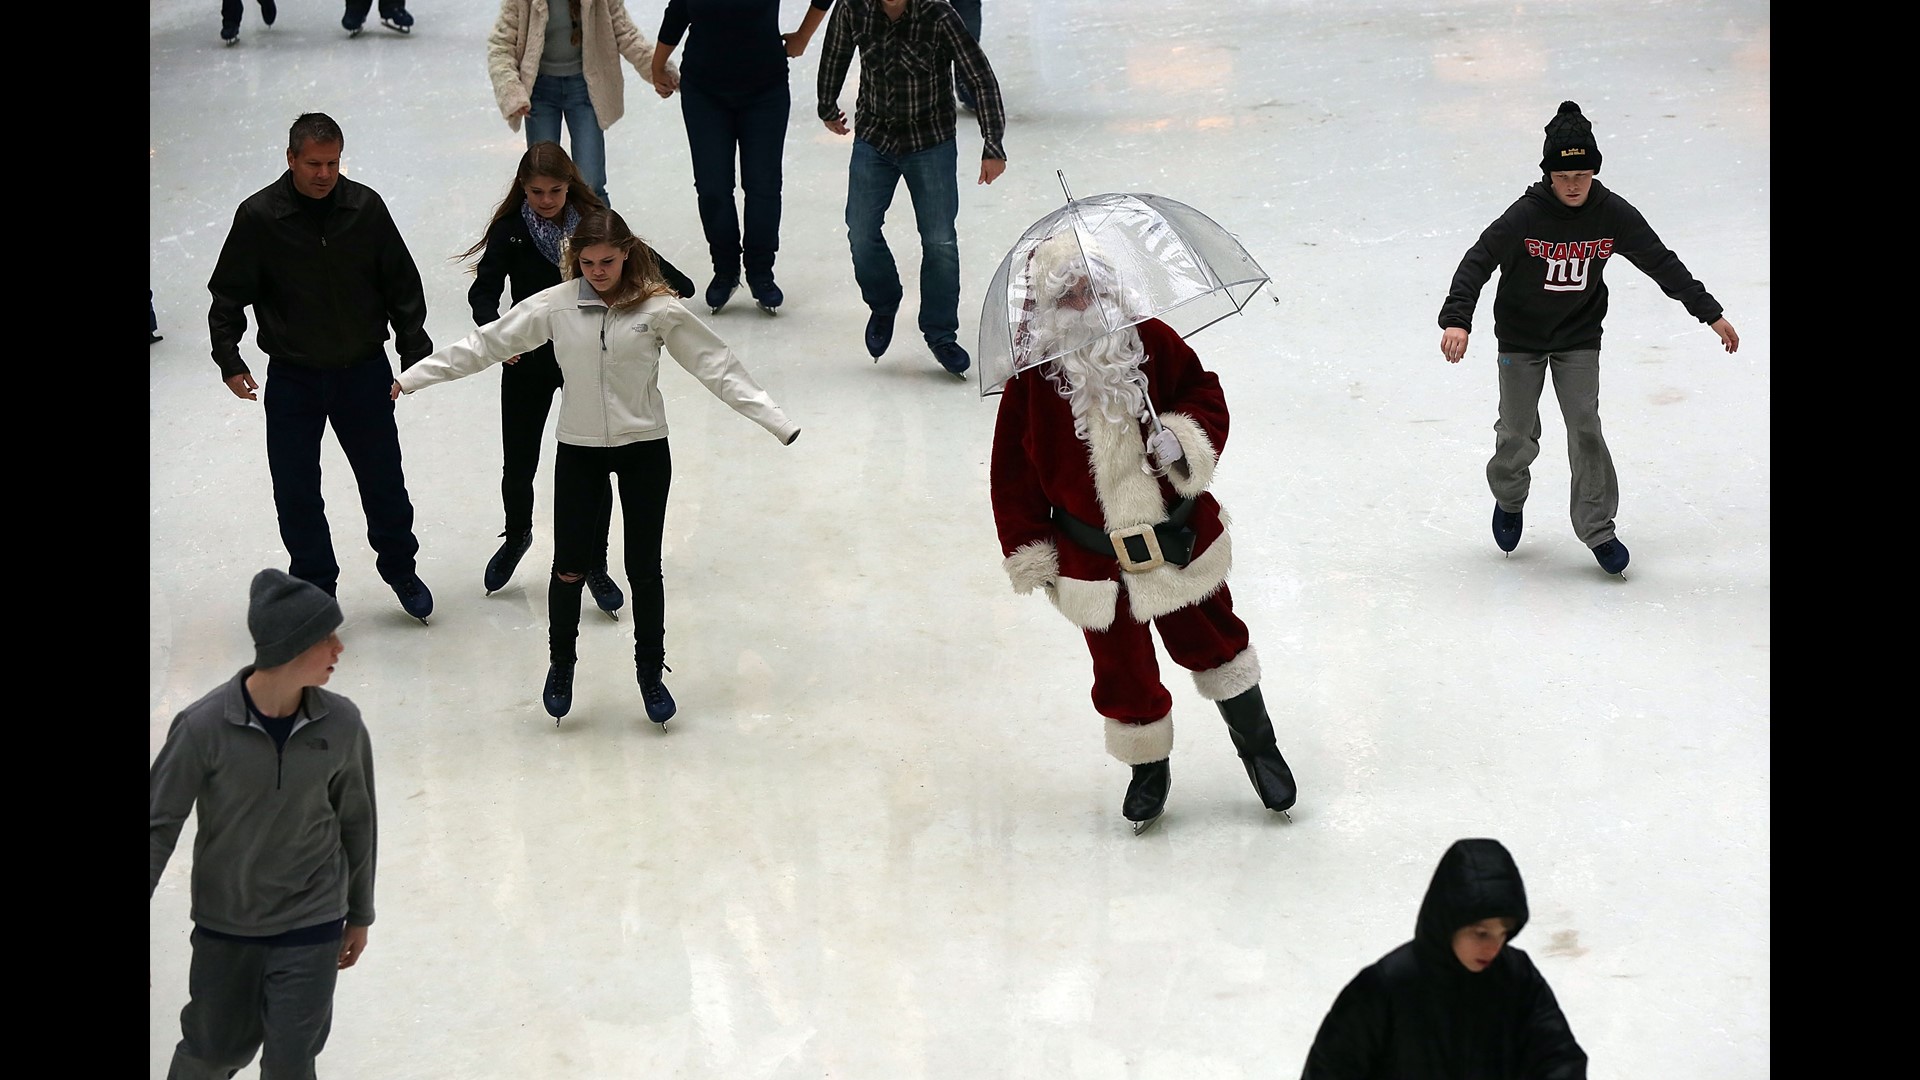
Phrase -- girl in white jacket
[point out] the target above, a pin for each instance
(555, 59)
(608, 322)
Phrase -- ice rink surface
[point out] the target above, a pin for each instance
(882, 840)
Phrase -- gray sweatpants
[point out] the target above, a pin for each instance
(244, 997)
(1516, 437)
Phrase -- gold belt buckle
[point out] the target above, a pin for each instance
(1154, 559)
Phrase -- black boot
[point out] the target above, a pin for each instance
(1147, 794)
(1246, 717)
(500, 568)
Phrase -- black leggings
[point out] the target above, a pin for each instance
(582, 515)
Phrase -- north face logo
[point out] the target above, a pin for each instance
(1568, 262)
(316, 744)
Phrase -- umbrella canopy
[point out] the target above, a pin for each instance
(1151, 257)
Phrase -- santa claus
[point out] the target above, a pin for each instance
(1103, 505)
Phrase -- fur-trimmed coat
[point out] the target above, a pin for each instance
(1039, 463)
(606, 35)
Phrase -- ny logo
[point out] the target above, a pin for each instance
(1567, 275)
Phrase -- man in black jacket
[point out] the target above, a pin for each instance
(325, 270)
(1552, 246)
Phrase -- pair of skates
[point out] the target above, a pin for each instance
(557, 693)
(1612, 555)
(1252, 733)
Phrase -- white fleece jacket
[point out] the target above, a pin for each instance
(606, 35)
(611, 363)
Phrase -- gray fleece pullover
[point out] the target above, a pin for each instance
(285, 837)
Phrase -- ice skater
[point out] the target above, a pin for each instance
(1103, 505)
(1552, 247)
(278, 773)
(1458, 1000)
(607, 329)
(904, 130)
(521, 249)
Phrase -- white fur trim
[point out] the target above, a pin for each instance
(1089, 605)
(1202, 458)
(1032, 566)
(1231, 679)
(1138, 744)
(1128, 495)
(1170, 588)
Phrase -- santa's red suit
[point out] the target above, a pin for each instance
(1040, 465)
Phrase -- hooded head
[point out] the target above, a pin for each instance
(1569, 146)
(1476, 880)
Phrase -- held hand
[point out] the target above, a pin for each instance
(352, 944)
(837, 125)
(393, 394)
(796, 44)
(514, 359)
(1453, 344)
(991, 168)
(1728, 338)
(522, 111)
(243, 386)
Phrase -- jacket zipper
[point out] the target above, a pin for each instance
(606, 425)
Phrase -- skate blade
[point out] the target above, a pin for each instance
(1142, 826)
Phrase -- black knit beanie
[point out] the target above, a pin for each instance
(1569, 146)
(287, 617)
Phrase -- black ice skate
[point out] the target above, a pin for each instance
(606, 593)
(1252, 732)
(1612, 557)
(500, 568)
(397, 19)
(765, 293)
(1506, 529)
(660, 706)
(720, 290)
(1147, 794)
(557, 695)
(415, 598)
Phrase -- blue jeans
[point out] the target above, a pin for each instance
(555, 96)
(935, 189)
(753, 126)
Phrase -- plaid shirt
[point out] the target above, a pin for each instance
(906, 76)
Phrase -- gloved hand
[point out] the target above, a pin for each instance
(1164, 449)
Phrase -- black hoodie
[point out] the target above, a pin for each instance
(1552, 256)
(1419, 1014)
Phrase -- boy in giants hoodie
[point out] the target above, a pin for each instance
(1455, 1003)
(1552, 247)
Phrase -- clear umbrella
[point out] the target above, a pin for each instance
(1157, 258)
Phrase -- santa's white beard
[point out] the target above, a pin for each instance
(1103, 378)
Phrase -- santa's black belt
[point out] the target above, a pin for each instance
(1140, 548)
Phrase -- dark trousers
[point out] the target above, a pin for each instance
(300, 403)
(357, 9)
(527, 387)
(582, 514)
(245, 998)
(753, 127)
(1595, 494)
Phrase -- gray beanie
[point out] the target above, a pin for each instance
(287, 617)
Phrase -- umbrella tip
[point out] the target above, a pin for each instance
(1068, 192)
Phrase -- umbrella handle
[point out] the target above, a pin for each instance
(1179, 466)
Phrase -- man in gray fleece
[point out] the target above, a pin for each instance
(281, 774)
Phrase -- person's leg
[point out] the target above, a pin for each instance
(1208, 639)
(220, 1027)
(935, 190)
(580, 511)
(763, 143)
(230, 12)
(296, 412)
(544, 104)
(587, 142)
(646, 475)
(871, 180)
(298, 1009)
(1596, 489)
(1138, 712)
(712, 136)
(527, 387)
(1516, 434)
(969, 11)
(362, 416)
(356, 14)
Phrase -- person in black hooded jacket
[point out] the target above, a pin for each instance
(1552, 247)
(1457, 1002)
(547, 198)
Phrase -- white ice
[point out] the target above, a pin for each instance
(882, 839)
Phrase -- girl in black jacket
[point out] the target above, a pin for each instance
(522, 246)
(1456, 1002)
